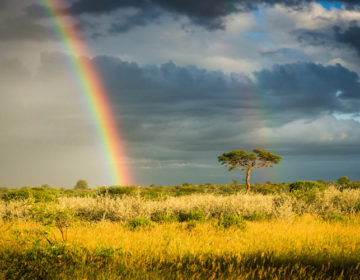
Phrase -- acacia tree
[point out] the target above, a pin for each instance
(81, 185)
(247, 162)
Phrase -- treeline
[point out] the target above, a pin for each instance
(47, 193)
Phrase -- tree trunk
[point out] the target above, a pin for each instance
(248, 180)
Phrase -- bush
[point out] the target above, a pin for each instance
(153, 193)
(351, 185)
(188, 190)
(255, 217)
(118, 191)
(4, 189)
(81, 185)
(139, 223)
(306, 190)
(334, 218)
(19, 194)
(343, 180)
(306, 186)
(191, 225)
(163, 217)
(232, 221)
(192, 215)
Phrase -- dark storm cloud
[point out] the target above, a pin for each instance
(186, 109)
(349, 37)
(207, 13)
(332, 37)
(316, 37)
(310, 89)
(306, 88)
(140, 18)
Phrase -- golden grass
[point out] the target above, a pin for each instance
(307, 234)
(288, 247)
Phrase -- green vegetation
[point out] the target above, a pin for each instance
(343, 180)
(231, 220)
(305, 186)
(81, 185)
(138, 223)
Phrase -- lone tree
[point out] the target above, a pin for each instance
(343, 180)
(246, 162)
(81, 185)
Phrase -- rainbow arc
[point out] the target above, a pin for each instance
(94, 92)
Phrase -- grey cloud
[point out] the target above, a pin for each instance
(310, 89)
(23, 28)
(140, 18)
(332, 37)
(172, 116)
(16, 23)
(285, 55)
(350, 37)
(188, 109)
(13, 69)
(209, 14)
(315, 37)
(192, 109)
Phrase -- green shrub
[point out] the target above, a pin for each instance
(153, 193)
(255, 217)
(188, 190)
(4, 189)
(351, 185)
(192, 215)
(160, 217)
(229, 189)
(118, 191)
(191, 225)
(306, 186)
(138, 223)
(306, 190)
(334, 218)
(81, 185)
(343, 180)
(231, 220)
(357, 207)
(18, 194)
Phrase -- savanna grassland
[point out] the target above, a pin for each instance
(304, 230)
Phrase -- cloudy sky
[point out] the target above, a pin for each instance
(188, 81)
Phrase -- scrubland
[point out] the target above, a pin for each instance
(302, 234)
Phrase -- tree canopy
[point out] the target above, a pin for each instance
(81, 185)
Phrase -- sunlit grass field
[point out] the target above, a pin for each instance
(306, 247)
(179, 233)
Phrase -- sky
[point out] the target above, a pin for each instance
(187, 81)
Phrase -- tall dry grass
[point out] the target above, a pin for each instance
(280, 206)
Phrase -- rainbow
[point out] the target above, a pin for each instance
(94, 91)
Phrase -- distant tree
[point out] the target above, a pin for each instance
(247, 162)
(343, 180)
(81, 185)
(234, 182)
